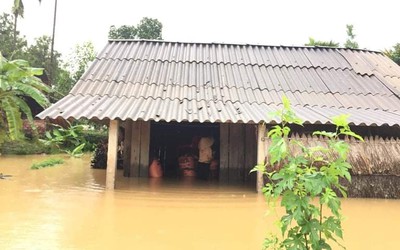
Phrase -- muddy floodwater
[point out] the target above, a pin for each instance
(67, 207)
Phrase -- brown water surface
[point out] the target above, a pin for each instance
(66, 207)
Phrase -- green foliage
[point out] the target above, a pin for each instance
(80, 59)
(17, 80)
(10, 48)
(24, 147)
(95, 136)
(122, 32)
(76, 64)
(39, 55)
(76, 152)
(18, 8)
(394, 53)
(148, 28)
(305, 179)
(47, 163)
(313, 42)
(71, 140)
(350, 42)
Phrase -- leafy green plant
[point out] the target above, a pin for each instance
(17, 80)
(47, 163)
(69, 140)
(305, 179)
(76, 152)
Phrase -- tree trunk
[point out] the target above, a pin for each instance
(52, 45)
(14, 46)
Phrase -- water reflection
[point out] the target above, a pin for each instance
(66, 207)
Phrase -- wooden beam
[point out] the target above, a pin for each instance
(224, 151)
(135, 149)
(127, 147)
(112, 154)
(144, 149)
(260, 155)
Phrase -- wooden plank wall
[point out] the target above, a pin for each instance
(238, 149)
(139, 140)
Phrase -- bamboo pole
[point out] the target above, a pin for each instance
(112, 154)
(260, 155)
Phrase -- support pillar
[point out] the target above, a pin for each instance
(112, 154)
(127, 148)
(260, 155)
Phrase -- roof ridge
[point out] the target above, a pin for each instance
(241, 44)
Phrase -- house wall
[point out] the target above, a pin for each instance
(136, 148)
(238, 152)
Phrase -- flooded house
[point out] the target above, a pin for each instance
(164, 97)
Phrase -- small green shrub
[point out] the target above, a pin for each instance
(304, 178)
(71, 138)
(47, 163)
(93, 138)
(24, 147)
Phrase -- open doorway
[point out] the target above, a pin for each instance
(176, 145)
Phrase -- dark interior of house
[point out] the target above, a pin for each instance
(176, 145)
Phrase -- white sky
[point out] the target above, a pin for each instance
(270, 22)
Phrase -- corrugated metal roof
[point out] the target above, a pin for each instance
(173, 81)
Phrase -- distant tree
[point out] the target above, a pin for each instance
(350, 42)
(148, 28)
(8, 46)
(18, 80)
(76, 64)
(39, 55)
(122, 32)
(394, 53)
(313, 42)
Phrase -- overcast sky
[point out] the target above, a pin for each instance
(278, 22)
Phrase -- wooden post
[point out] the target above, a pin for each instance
(144, 149)
(224, 152)
(127, 147)
(112, 154)
(260, 155)
(135, 149)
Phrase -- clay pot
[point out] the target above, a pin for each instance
(155, 169)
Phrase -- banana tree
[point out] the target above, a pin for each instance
(18, 80)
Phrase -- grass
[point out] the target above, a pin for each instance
(47, 163)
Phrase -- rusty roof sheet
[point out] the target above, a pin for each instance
(173, 81)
